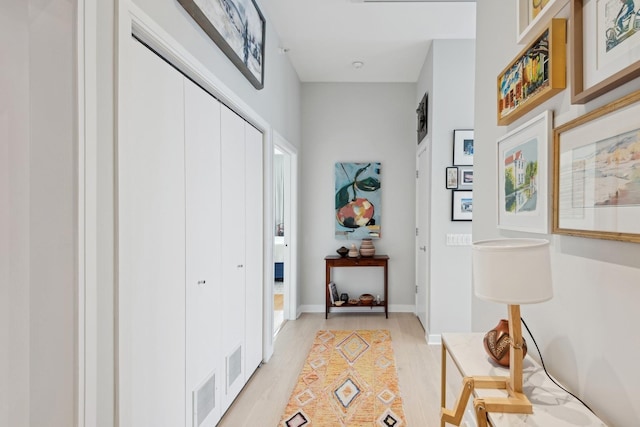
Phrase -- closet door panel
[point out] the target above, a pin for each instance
(254, 247)
(151, 242)
(202, 172)
(232, 307)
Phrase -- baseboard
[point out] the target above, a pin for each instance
(434, 339)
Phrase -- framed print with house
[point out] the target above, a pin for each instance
(597, 173)
(535, 75)
(461, 205)
(606, 46)
(463, 147)
(523, 176)
(238, 28)
(533, 16)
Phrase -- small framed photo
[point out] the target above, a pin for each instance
(452, 178)
(463, 147)
(333, 293)
(465, 178)
(462, 205)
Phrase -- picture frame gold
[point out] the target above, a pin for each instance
(596, 173)
(515, 96)
(583, 39)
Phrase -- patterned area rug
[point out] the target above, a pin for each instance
(349, 379)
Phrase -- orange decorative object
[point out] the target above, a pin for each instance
(497, 342)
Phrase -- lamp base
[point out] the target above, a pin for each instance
(515, 402)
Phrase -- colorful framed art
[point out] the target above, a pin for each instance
(357, 200)
(523, 185)
(537, 74)
(533, 15)
(461, 205)
(597, 173)
(606, 46)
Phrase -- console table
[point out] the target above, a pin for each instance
(333, 261)
(551, 405)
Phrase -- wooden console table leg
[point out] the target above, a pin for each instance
(386, 296)
(327, 297)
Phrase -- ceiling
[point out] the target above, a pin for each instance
(391, 37)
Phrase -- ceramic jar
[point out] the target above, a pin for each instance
(367, 248)
(353, 252)
(497, 343)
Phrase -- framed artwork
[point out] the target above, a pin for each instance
(537, 74)
(357, 200)
(523, 176)
(462, 205)
(533, 16)
(422, 111)
(452, 178)
(333, 293)
(597, 173)
(238, 28)
(463, 147)
(465, 178)
(606, 46)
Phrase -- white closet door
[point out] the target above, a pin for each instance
(151, 245)
(254, 248)
(202, 168)
(232, 302)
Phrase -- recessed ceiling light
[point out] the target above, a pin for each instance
(357, 64)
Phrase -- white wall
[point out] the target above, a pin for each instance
(38, 187)
(587, 333)
(448, 77)
(358, 123)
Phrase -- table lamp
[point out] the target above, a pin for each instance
(512, 272)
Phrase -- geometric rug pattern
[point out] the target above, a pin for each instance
(350, 380)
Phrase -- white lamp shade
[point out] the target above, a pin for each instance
(512, 271)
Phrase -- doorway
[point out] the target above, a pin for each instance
(285, 230)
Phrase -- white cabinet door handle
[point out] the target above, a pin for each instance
(201, 282)
(240, 265)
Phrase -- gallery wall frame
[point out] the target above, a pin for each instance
(544, 59)
(465, 177)
(533, 15)
(463, 147)
(358, 204)
(523, 184)
(603, 57)
(597, 173)
(462, 205)
(422, 116)
(238, 28)
(451, 178)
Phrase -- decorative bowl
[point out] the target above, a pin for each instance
(366, 299)
(343, 251)
(338, 303)
(353, 301)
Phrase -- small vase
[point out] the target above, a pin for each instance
(353, 252)
(497, 343)
(366, 248)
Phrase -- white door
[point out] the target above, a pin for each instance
(254, 271)
(423, 196)
(233, 233)
(202, 168)
(151, 246)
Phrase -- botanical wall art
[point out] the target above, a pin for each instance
(451, 178)
(537, 74)
(522, 176)
(597, 173)
(238, 28)
(462, 205)
(463, 146)
(357, 200)
(606, 46)
(533, 15)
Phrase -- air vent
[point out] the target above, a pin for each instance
(204, 400)
(234, 366)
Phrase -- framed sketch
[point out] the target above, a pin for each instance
(462, 205)
(534, 15)
(597, 173)
(465, 178)
(357, 200)
(463, 147)
(333, 293)
(452, 178)
(535, 75)
(238, 28)
(422, 116)
(606, 46)
(523, 176)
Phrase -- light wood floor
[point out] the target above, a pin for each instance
(265, 396)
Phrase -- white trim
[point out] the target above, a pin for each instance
(434, 339)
